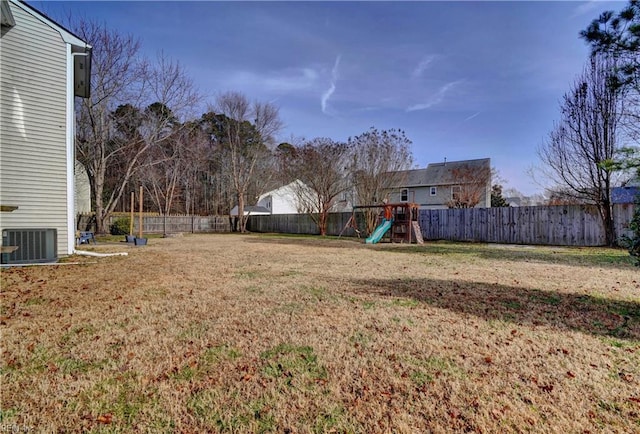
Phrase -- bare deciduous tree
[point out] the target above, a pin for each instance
(585, 138)
(322, 167)
(562, 196)
(378, 157)
(113, 132)
(471, 186)
(197, 154)
(164, 167)
(246, 134)
(166, 138)
(115, 72)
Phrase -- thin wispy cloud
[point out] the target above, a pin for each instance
(422, 66)
(436, 99)
(292, 80)
(283, 81)
(332, 88)
(586, 8)
(471, 117)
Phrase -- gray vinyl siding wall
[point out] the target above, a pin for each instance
(422, 196)
(33, 162)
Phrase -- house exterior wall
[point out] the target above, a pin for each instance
(265, 201)
(280, 201)
(474, 174)
(34, 127)
(422, 196)
(444, 193)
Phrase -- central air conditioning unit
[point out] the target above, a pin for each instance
(33, 245)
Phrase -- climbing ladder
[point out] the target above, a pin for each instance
(417, 232)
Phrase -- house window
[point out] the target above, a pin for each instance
(404, 195)
(455, 192)
(433, 191)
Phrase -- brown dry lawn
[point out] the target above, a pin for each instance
(256, 333)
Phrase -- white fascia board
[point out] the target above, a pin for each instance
(70, 145)
(67, 36)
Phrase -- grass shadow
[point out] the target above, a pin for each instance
(561, 255)
(306, 240)
(584, 313)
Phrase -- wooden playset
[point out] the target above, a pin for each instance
(399, 220)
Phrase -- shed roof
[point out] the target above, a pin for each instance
(251, 210)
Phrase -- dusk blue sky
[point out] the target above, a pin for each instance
(464, 80)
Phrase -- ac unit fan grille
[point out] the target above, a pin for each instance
(34, 245)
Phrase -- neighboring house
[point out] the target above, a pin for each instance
(42, 67)
(344, 202)
(513, 201)
(286, 199)
(293, 198)
(627, 194)
(282, 200)
(439, 185)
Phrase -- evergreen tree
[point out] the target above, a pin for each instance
(497, 200)
(619, 35)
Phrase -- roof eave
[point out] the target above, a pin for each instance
(67, 36)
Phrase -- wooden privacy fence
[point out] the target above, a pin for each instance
(155, 224)
(574, 225)
(173, 224)
(299, 224)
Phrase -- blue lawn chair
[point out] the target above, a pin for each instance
(85, 237)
